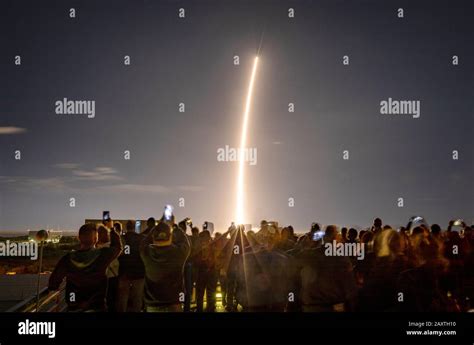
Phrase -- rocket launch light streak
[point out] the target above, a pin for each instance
(240, 213)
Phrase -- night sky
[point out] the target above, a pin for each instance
(191, 60)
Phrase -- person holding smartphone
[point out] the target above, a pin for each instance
(85, 271)
(164, 252)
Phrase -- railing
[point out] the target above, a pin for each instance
(48, 302)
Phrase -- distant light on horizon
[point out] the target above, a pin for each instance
(240, 212)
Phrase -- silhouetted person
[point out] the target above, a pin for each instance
(379, 292)
(344, 234)
(131, 272)
(377, 225)
(436, 230)
(150, 224)
(264, 278)
(423, 287)
(113, 269)
(164, 254)
(293, 237)
(327, 282)
(85, 271)
(306, 240)
(118, 228)
(233, 256)
(286, 241)
(190, 268)
(207, 273)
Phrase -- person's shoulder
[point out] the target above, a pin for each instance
(66, 257)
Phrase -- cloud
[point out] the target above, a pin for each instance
(63, 183)
(75, 183)
(137, 188)
(25, 183)
(8, 179)
(106, 170)
(97, 174)
(12, 130)
(48, 182)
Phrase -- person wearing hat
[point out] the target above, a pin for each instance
(164, 253)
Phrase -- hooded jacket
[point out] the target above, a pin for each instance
(164, 269)
(85, 273)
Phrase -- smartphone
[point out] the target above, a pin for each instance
(209, 226)
(168, 213)
(105, 216)
(138, 225)
(318, 235)
(458, 226)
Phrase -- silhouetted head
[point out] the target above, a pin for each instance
(285, 233)
(130, 226)
(88, 236)
(435, 229)
(418, 230)
(389, 243)
(344, 233)
(315, 227)
(377, 222)
(205, 236)
(291, 230)
(150, 223)
(118, 227)
(330, 234)
(103, 235)
(195, 231)
(352, 234)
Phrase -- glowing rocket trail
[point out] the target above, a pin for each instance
(240, 215)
